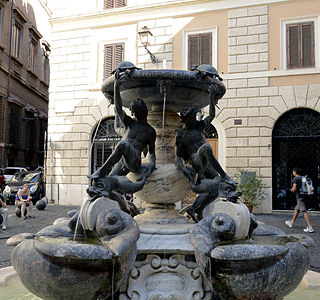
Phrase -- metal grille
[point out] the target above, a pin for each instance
(105, 142)
(295, 143)
(210, 132)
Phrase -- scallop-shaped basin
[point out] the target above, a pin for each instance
(181, 88)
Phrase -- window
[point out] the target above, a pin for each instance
(29, 127)
(45, 62)
(33, 54)
(300, 45)
(199, 49)
(1, 21)
(17, 40)
(45, 69)
(113, 55)
(14, 124)
(104, 139)
(17, 33)
(34, 38)
(114, 3)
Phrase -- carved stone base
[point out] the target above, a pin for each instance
(165, 267)
(164, 276)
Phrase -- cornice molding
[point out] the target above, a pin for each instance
(127, 15)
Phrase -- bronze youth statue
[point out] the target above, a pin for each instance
(191, 145)
(137, 137)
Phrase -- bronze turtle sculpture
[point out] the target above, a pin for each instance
(207, 70)
(125, 66)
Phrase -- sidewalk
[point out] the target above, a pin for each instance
(53, 211)
(17, 225)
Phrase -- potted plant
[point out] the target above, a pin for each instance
(252, 188)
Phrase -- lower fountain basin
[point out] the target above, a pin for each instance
(268, 266)
(66, 276)
(55, 266)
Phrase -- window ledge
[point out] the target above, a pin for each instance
(17, 61)
(275, 73)
(44, 83)
(34, 75)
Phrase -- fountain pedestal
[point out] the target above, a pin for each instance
(165, 267)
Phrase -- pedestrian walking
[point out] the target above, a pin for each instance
(300, 207)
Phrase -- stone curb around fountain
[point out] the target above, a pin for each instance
(6, 273)
(311, 279)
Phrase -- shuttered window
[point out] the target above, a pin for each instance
(114, 3)
(14, 124)
(199, 49)
(300, 45)
(113, 55)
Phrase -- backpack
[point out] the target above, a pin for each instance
(306, 186)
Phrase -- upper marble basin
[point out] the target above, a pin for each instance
(182, 88)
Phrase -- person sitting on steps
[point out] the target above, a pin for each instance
(23, 198)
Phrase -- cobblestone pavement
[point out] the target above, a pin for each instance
(17, 225)
(52, 212)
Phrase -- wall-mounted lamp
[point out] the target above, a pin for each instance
(144, 35)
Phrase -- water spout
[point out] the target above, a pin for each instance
(164, 110)
(76, 230)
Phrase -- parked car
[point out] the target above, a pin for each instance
(35, 181)
(2, 180)
(10, 171)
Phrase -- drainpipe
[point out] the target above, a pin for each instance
(51, 175)
(10, 50)
(4, 155)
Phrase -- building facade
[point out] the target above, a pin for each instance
(267, 52)
(24, 82)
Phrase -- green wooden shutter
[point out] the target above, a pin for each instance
(108, 55)
(300, 45)
(292, 46)
(114, 3)
(199, 49)
(193, 51)
(113, 55)
(307, 45)
(118, 54)
(206, 48)
(120, 3)
(108, 4)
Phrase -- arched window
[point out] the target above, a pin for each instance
(104, 139)
(295, 143)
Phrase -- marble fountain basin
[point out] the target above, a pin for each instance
(55, 266)
(269, 265)
(181, 87)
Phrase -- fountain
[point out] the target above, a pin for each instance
(103, 252)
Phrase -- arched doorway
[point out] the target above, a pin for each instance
(104, 139)
(211, 135)
(295, 143)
